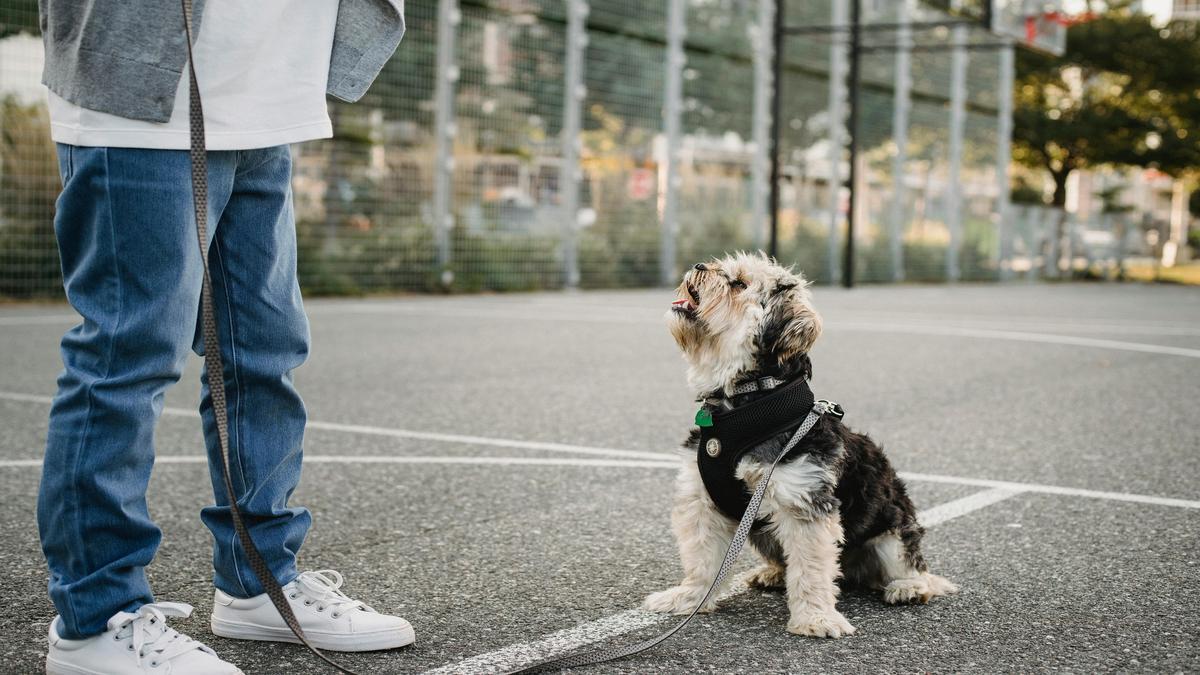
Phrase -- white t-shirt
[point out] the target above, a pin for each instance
(262, 67)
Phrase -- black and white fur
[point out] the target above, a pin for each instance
(834, 508)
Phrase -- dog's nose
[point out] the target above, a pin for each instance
(699, 267)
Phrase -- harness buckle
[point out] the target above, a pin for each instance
(824, 407)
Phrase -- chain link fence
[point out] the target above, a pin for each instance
(528, 144)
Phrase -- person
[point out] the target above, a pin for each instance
(118, 102)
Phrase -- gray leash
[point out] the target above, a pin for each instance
(215, 374)
(735, 547)
(213, 363)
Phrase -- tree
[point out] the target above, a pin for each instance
(18, 16)
(1124, 93)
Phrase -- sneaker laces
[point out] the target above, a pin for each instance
(150, 635)
(323, 588)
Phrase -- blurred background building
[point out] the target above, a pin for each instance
(525, 144)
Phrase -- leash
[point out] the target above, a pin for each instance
(215, 374)
(604, 654)
(213, 363)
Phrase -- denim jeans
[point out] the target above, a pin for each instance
(131, 268)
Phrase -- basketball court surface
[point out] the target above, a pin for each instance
(498, 470)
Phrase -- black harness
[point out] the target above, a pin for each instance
(727, 435)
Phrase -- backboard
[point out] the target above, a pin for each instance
(1040, 25)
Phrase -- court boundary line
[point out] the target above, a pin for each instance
(906, 328)
(569, 639)
(631, 458)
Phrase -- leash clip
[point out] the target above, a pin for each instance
(824, 407)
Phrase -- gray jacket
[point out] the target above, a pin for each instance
(125, 57)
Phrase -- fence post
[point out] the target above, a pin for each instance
(1004, 128)
(449, 17)
(569, 174)
(763, 54)
(837, 140)
(958, 115)
(900, 109)
(672, 110)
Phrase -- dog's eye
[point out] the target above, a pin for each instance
(737, 283)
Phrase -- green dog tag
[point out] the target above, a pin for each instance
(703, 418)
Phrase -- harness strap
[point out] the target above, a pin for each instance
(720, 399)
(213, 363)
(735, 547)
(733, 433)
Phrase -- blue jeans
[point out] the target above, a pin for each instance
(131, 268)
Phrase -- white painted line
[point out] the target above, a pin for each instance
(1017, 336)
(32, 463)
(25, 398)
(569, 639)
(961, 507)
(1021, 322)
(442, 459)
(560, 642)
(655, 459)
(1053, 490)
(418, 435)
(412, 459)
(38, 319)
(940, 328)
(482, 440)
(863, 326)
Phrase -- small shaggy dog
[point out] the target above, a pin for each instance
(834, 507)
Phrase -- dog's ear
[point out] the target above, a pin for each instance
(791, 324)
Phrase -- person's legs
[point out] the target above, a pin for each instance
(264, 336)
(131, 268)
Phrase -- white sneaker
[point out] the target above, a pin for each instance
(330, 619)
(136, 644)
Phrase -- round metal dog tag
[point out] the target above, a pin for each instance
(713, 447)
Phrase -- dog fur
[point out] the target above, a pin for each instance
(834, 509)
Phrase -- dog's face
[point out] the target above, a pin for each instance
(740, 314)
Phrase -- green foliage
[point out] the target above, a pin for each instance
(18, 16)
(1124, 93)
(1194, 203)
(29, 184)
(1024, 193)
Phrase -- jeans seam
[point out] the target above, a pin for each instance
(74, 479)
(237, 386)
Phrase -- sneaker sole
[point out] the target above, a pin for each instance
(334, 642)
(58, 668)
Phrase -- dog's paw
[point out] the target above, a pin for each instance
(678, 600)
(919, 589)
(766, 577)
(830, 624)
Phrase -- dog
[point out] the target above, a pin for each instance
(834, 508)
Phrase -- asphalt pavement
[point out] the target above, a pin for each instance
(498, 469)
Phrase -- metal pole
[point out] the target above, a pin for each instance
(901, 106)
(837, 113)
(1004, 128)
(569, 173)
(852, 128)
(672, 108)
(958, 118)
(449, 17)
(765, 129)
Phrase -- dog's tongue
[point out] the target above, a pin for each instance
(681, 303)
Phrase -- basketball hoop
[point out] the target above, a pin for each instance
(1055, 18)
(1040, 25)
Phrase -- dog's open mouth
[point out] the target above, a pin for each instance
(687, 306)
